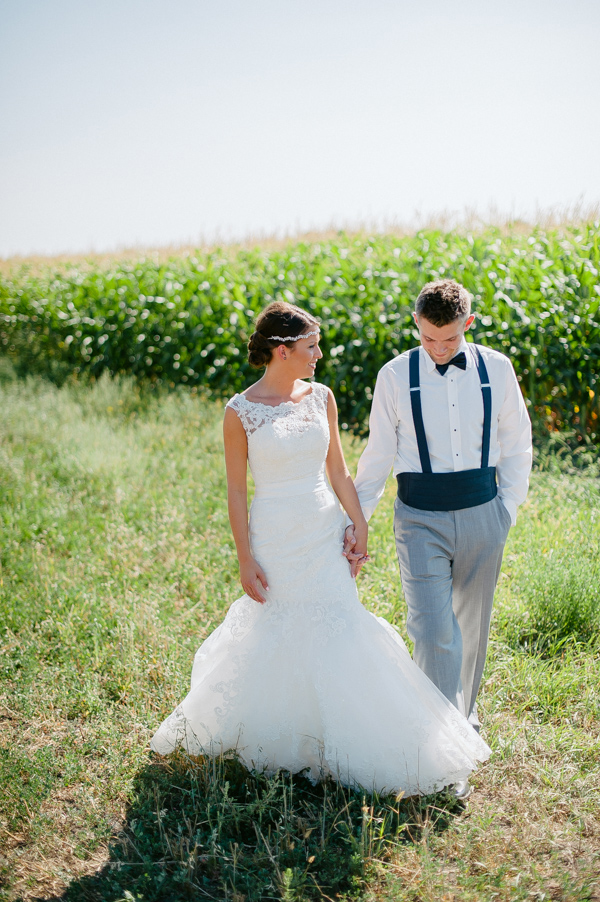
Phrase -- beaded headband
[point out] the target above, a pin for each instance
(292, 337)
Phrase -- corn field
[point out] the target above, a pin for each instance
(187, 320)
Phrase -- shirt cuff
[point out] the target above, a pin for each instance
(511, 507)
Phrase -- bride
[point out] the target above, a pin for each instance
(300, 675)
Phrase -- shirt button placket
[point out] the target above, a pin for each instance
(455, 444)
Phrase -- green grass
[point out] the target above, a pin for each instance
(116, 561)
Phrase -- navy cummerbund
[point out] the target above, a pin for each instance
(447, 491)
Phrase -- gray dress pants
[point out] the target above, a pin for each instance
(449, 566)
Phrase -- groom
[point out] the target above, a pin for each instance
(448, 417)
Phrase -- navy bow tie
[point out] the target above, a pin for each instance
(460, 361)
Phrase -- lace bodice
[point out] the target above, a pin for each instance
(287, 444)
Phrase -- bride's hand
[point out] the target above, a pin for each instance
(357, 555)
(252, 578)
(349, 540)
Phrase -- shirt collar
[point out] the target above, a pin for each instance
(464, 346)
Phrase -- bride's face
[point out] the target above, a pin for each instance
(303, 358)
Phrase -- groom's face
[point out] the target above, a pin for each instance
(442, 342)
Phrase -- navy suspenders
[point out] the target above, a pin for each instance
(417, 410)
(448, 491)
(486, 391)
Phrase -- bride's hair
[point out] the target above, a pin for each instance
(279, 319)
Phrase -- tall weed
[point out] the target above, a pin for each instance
(560, 603)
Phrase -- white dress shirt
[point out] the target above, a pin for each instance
(453, 417)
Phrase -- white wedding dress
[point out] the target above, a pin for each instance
(311, 680)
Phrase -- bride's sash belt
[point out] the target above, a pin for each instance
(447, 491)
(291, 488)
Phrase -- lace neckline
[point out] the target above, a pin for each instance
(281, 404)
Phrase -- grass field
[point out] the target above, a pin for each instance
(116, 560)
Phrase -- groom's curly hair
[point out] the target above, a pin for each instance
(443, 302)
(279, 318)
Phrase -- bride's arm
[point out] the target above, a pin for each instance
(341, 480)
(252, 576)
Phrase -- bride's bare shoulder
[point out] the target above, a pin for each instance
(252, 394)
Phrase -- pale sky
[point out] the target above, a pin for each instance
(147, 122)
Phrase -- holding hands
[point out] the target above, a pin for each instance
(355, 547)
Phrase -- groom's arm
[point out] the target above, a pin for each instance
(514, 437)
(378, 457)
